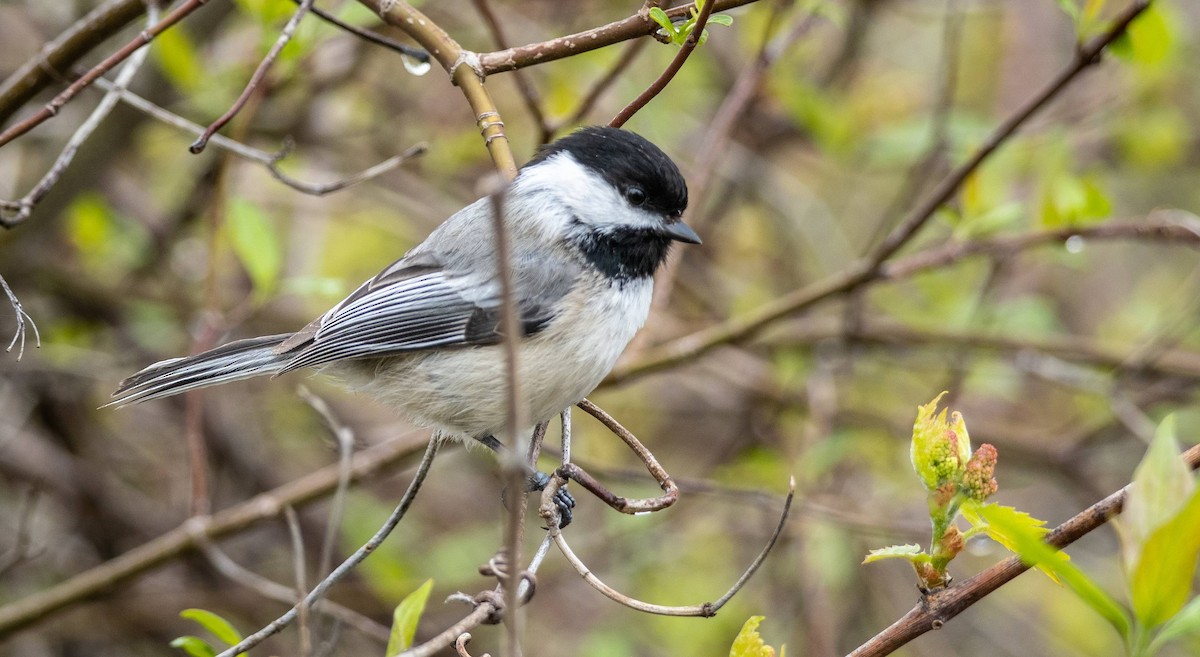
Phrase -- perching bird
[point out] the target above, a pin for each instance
(590, 219)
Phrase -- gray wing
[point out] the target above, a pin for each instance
(419, 303)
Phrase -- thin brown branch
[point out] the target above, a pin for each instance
(64, 51)
(146, 36)
(737, 330)
(42, 606)
(668, 74)
(934, 610)
(256, 79)
(512, 465)
(633, 27)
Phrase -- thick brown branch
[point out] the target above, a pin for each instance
(933, 611)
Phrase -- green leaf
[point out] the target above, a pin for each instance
(659, 16)
(1070, 9)
(720, 19)
(1186, 622)
(194, 646)
(256, 244)
(1028, 545)
(980, 515)
(749, 643)
(1072, 201)
(220, 628)
(1148, 40)
(1162, 483)
(405, 619)
(1162, 579)
(176, 56)
(910, 552)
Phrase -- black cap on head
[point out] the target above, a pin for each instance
(625, 159)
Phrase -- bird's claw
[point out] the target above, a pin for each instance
(563, 500)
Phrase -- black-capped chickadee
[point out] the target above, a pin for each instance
(590, 219)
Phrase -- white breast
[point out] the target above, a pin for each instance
(464, 390)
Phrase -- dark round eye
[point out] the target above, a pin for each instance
(635, 195)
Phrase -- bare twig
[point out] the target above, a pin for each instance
(706, 609)
(575, 473)
(933, 611)
(668, 74)
(269, 160)
(298, 573)
(513, 467)
(285, 35)
(22, 317)
(42, 605)
(23, 208)
(346, 566)
(337, 506)
(146, 36)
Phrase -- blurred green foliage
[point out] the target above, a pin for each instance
(145, 252)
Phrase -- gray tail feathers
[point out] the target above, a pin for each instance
(237, 360)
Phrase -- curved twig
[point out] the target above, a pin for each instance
(706, 609)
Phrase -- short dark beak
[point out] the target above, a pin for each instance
(681, 232)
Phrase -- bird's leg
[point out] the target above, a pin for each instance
(535, 481)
